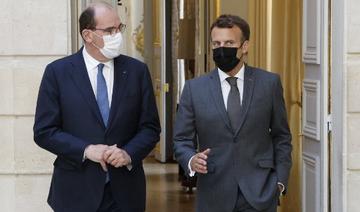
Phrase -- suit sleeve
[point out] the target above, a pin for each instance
(185, 129)
(149, 125)
(48, 132)
(281, 135)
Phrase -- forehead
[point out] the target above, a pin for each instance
(223, 34)
(105, 17)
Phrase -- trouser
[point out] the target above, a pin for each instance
(108, 204)
(242, 204)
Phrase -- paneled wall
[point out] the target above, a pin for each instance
(33, 33)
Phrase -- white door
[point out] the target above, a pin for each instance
(315, 159)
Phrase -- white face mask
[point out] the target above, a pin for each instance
(112, 45)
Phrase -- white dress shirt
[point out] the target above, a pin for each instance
(92, 70)
(225, 86)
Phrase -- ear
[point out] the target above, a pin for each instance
(87, 36)
(245, 47)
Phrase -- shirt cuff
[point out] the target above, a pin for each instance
(282, 188)
(84, 156)
(129, 166)
(191, 172)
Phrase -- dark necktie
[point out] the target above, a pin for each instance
(102, 95)
(233, 103)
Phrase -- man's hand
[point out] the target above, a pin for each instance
(281, 188)
(198, 162)
(116, 157)
(95, 153)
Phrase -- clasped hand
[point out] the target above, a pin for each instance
(105, 154)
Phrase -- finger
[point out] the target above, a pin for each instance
(201, 169)
(206, 152)
(201, 165)
(111, 159)
(115, 155)
(196, 161)
(200, 161)
(118, 159)
(103, 165)
(115, 163)
(202, 156)
(119, 164)
(107, 154)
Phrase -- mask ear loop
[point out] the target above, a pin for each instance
(242, 54)
(98, 37)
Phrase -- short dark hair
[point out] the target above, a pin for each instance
(87, 19)
(229, 21)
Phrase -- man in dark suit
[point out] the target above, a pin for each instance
(96, 111)
(239, 117)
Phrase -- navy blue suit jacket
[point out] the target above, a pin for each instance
(68, 119)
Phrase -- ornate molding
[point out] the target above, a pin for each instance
(310, 182)
(311, 109)
(138, 37)
(311, 31)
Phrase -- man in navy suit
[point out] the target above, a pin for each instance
(96, 112)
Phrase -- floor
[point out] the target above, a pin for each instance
(164, 191)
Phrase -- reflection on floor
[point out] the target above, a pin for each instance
(164, 192)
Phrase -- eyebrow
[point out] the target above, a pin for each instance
(223, 41)
(113, 26)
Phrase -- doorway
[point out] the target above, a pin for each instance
(276, 45)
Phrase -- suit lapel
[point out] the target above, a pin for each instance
(215, 90)
(82, 81)
(120, 81)
(249, 82)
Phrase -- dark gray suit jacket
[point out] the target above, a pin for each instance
(253, 158)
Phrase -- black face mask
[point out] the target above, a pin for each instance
(225, 58)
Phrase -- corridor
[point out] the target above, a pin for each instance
(164, 191)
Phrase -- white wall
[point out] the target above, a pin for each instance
(351, 104)
(33, 33)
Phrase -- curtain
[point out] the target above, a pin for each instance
(276, 46)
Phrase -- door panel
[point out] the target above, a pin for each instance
(315, 107)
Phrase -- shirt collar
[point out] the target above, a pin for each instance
(239, 75)
(92, 63)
